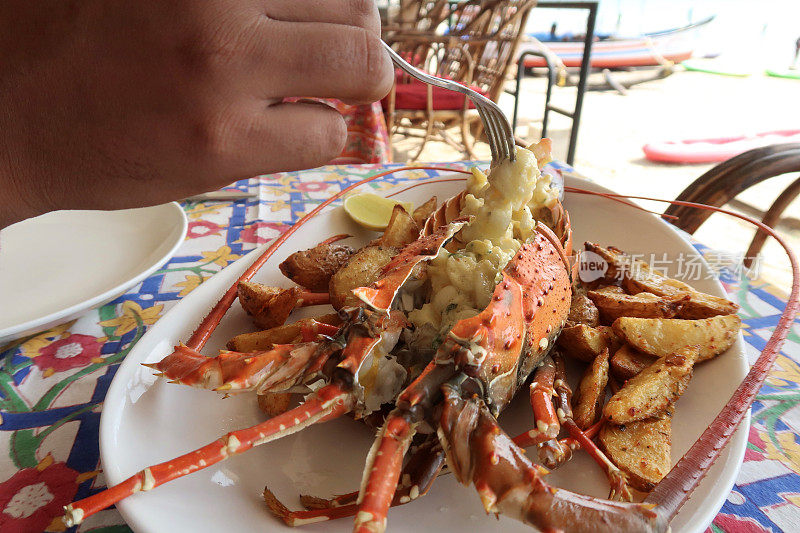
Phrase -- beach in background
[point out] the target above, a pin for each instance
(755, 31)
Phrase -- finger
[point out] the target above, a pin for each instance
(322, 60)
(361, 13)
(283, 137)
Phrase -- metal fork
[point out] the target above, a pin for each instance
(495, 123)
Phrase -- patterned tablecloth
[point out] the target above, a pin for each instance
(53, 384)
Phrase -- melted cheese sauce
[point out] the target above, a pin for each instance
(505, 206)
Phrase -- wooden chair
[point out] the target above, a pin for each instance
(477, 51)
(725, 181)
(418, 15)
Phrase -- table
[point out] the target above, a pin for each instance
(52, 386)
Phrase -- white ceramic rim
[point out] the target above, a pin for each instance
(39, 324)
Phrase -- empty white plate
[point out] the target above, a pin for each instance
(58, 265)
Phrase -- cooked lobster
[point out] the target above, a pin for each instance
(451, 405)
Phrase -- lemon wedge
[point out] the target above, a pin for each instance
(372, 211)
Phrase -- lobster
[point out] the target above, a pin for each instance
(474, 373)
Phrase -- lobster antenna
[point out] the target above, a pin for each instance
(329, 402)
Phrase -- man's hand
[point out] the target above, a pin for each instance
(110, 104)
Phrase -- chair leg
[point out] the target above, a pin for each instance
(427, 135)
(771, 218)
(469, 143)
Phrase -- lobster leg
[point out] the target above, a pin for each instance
(616, 478)
(335, 238)
(329, 402)
(479, 451)
(382, 469)
(278, 368)
(416, 479)
(555, 452)
(546, 424)
(382, 472)
(424, 465)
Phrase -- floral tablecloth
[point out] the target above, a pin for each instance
(52, 385)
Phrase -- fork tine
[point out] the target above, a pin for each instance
(503, 133)
(496, 140)
(488, 128)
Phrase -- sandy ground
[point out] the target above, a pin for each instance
(686, 105)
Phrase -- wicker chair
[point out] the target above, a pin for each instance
(725, 181)
(477, 51)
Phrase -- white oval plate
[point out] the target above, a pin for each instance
(146, 421)
(58, 265)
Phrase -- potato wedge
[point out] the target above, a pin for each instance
(585, 343)
(274, 403)
(610, 289)
(591, 391)
(421, 214)
(264, 340)
(401, 230)
(269, 306)
(656, 388)
(637, 276)
(363, 268)
(640, 449)
(663, 336)
(644, 305)
(699, 305)
(627, 362)
(314, 267)
(582, 310)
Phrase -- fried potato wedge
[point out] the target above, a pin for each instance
(582, 310)
(314, 267)
(264, 340)
(401, 230)
(591, 391)
(585, 343)
(637, 276)
(421, 214)
(274, 403)
(643, 305)
(651, 392)
(663, 336)
(609, 289)
(363, 268)
(640, 449)
(269, 306)
(627, 362)
(699, 304)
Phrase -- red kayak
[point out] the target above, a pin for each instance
(715, 150)
(610, 51)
